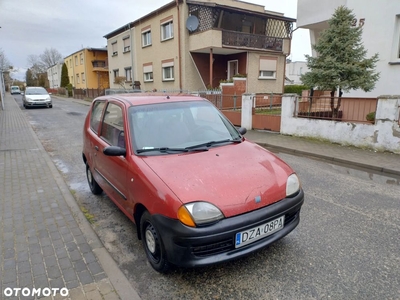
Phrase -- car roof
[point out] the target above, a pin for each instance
(134, 99)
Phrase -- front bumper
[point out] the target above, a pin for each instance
(189, 247)
(38, 103)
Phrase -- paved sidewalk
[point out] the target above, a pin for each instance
(377, 161)
(45, 241)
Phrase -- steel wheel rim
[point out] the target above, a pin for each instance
(150, 241)
(89, 175)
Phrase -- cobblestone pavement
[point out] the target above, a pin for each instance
(47, 248)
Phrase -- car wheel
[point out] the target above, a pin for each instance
(51, 106)
(153, 245)
(94, 186)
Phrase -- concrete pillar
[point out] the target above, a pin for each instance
(287, 112)
(247, 106)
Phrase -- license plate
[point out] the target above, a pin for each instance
(249, 236)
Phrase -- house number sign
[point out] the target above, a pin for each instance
(360, 22)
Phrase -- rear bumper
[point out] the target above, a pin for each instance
(189, 247)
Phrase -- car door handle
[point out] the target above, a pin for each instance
(96, 148)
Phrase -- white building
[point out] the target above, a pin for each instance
(294, 69)
(381, 34)
(54, 76)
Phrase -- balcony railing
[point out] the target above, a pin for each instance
(239, 39)
(99, 64)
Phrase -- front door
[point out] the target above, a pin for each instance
(232, 68)
(113, 169)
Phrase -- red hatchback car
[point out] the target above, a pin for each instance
(197, 190)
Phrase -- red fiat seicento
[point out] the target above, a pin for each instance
(197, 190)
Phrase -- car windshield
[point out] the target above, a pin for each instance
(179, 126)
(36, 91)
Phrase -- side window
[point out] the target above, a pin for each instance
(112, 129)
(96, 115)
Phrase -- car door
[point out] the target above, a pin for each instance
(112, 169)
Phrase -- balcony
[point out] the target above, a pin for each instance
(233, 41)
(100, 65)
(247, 40)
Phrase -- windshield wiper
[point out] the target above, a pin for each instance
(167, 149)
(211, 143)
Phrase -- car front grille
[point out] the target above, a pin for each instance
(212, 249)
(228, 245)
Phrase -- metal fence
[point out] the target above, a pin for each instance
(349, 110)
(88, 93)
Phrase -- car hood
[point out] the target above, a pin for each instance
(237, 178)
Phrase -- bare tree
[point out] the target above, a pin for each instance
(50, 57)
(5, 64)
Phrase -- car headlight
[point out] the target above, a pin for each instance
(199, 213)
(28, 99)
(292, 184)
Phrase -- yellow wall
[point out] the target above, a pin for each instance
(79, 64)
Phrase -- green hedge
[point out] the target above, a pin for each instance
(295, 89)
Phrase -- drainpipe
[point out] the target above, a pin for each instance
(211, 68)
(179, 46)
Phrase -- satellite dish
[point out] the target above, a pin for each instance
(192, 23)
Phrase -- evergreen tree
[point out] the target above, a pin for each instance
(341, 62)
(64, 76)
(30, 81)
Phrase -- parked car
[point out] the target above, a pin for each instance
(15, 90)
(36, 96)
(198, 191)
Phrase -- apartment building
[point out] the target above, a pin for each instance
(88, 68)
(380, 21)
(54, 76)
(194, 45)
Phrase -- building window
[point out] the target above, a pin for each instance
(146, 38)
(148, 72)
(148, 77)
(77, 78)
(114, 49)
(70, 62)
(127, 44)
(267, 67)
(83, 77)
(81, 58)
(116, 74)
(128, 74)
(76, 60)
(167, 31)
(72, 80)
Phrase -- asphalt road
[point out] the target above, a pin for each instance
(347, 245)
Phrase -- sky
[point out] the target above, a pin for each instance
(28, 27)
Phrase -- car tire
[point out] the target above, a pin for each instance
(153, 245)
(93, 185)
(51, 106)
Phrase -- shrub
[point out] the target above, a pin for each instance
(370, 117)
(69, 89)
(295, 89)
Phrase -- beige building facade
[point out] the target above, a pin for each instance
(194, 45)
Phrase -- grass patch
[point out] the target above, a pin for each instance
(267, 111)
(87, 215)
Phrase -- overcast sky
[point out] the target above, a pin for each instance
(30, 26)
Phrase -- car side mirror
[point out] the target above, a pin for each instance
(242, 130)
(114, 151)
